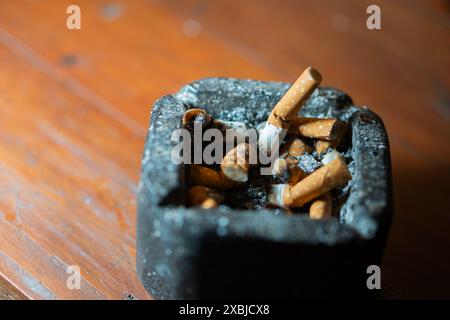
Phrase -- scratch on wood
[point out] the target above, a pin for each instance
(9, 292)
(33, 284)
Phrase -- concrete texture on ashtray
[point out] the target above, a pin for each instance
(191, 253)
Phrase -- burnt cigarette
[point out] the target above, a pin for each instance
(321, 207)
(196, 116)
(287, 170)
(204, 197)
(287, 108)
(295, 147)
(203, 176)
(324, 179)
(324, 129)
(236, 163)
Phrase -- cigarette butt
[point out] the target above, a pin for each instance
(236, 163)
(322, 146)
(287, 170)
(295, 147)
(321, 207)
(289, 105)
(316, 184)
(196, 116)
(205, 197)
(209, 204)
(203, 176)
(324, 129)
(287, 108)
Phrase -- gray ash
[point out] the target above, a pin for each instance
(252, 195)
(308, 163)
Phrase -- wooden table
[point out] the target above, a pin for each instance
(75, 104)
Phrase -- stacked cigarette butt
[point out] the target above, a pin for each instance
(306, 171)
(295, 147)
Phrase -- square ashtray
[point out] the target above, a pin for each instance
(189, 253)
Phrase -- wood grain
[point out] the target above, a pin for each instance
(75, 105)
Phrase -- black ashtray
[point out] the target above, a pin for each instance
(189, 253)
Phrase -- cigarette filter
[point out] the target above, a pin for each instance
(295, 147)
(205, 197)
(324, 129)
(322, 146)
(203, 176)
(321, 207)
(236, 163)
(287, 108)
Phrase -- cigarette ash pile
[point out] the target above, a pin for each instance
(309, 174)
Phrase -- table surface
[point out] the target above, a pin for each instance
(75, 105)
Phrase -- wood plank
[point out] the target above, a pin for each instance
(147, 57)
(75, 107)
(65, 193)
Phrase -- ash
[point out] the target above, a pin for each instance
(308, 163)
(252, 195)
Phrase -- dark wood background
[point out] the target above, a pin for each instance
(74, 108)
